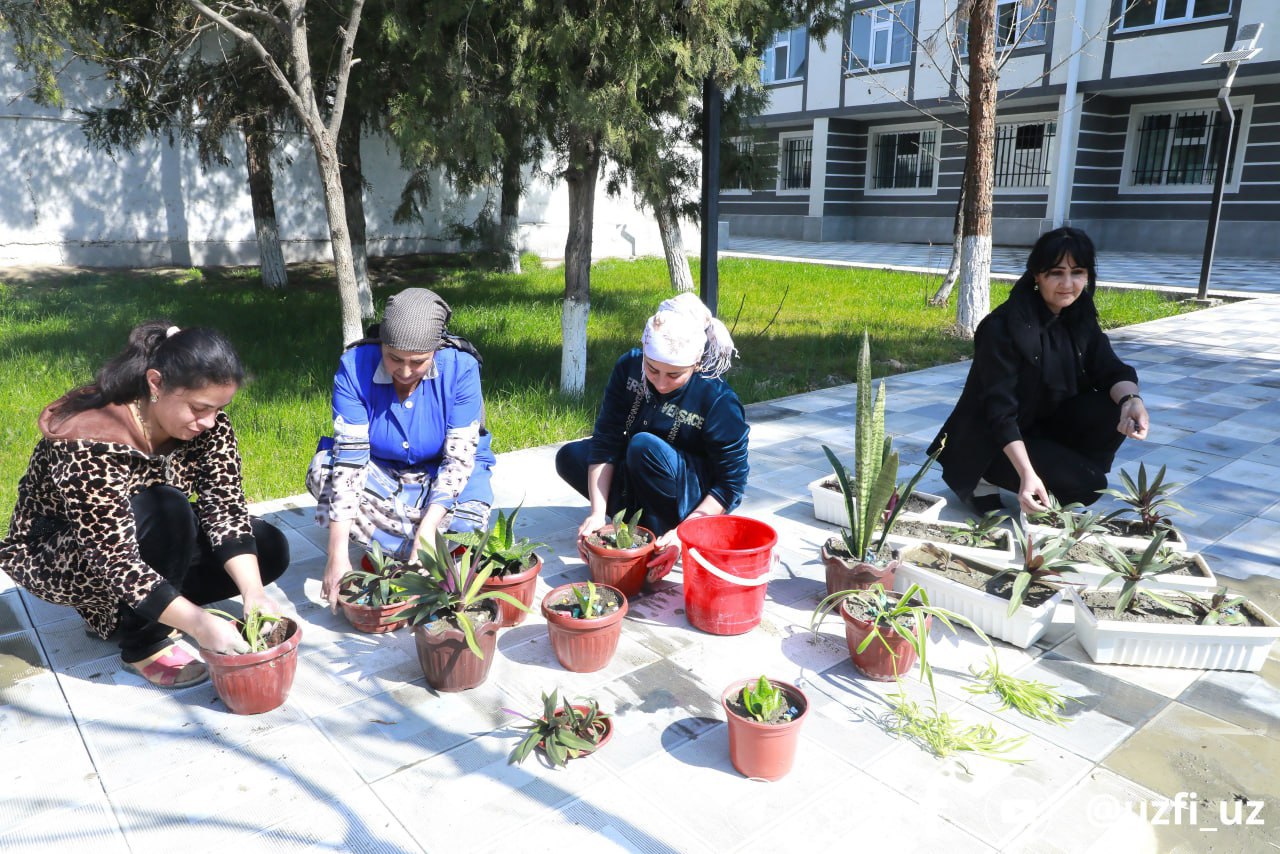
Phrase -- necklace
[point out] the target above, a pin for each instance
(142, 422)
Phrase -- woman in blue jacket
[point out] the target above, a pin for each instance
(670, 438)
(410, 453)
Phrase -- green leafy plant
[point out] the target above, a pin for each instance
(873, 499)
(1056, 515)
(1148, 499)
(447, 587)
(1037, 700)
(503, 552)
(588, 598)
(985, 529)
(256, 628)
(1043, 559)
(624, 534)
(764, 701)
(1222, 608)
(563, 732)
(943, 735)
(1134, 572)
(377, 586)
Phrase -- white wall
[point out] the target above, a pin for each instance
(69, 204)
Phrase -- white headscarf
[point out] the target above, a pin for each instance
(684, 333)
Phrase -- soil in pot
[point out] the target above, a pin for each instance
(371, 619)
(447, 661)
(1121, 528)
(1184, 563)
(980, 578)
(521, 582)
(844, 573)
(583, 645)
(915, 502)
(1146, 610)
(255, 682)
(944, 534)
(624, 569)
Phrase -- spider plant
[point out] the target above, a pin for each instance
(1034, 699)
(944, 736)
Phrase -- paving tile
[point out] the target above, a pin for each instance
(1210, 443)
(88, 828)
(1164, 681)
(34, 707)
(658, 707)
(356, 822)
(45, 775)
(1249, 700)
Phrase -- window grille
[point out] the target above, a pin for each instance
(1180, 149)
(904, 160)
(797, 163)
(1022, 154)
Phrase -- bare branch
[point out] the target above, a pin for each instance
(345, 63)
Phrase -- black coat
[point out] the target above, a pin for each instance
(1003, 391)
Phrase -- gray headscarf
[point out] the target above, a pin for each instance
(414, 321)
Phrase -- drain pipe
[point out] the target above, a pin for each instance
(1068, 120)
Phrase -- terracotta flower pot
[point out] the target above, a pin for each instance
(583, 646)
(256, 682)
(521, 585)
(878, 661)
(607, 734)
(758, 750)
(373, 619)
(447, 661)
(846, 574)
(623, 569)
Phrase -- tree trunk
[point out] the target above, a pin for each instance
(672, 243)
(352, 171)
(975, 272)
(581, 176)
(335, 207)
(509, 224)
(258, 145)
(943, 293)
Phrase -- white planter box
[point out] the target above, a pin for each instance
(828, 504)
(995, 557)
(989, 613)
(1172, 644)
(1176, 543)
(1091, 574)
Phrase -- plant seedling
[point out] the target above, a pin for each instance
(503, 552)
(1042, 559)
(255, 628)
(1133, 572)
(589, 604)
(1222, 608)
(1037, 700)
(1147, 499)
(981, 530)
(563, 732)
(942, 735)
(378, 586)
(1056, 515)
(624, 534)
(764, 701)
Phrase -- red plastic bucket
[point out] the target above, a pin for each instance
(726, 563)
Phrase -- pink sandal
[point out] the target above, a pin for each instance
(172, 667)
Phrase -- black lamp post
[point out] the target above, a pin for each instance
(709, 272)
(1243, 50)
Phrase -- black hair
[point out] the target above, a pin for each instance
(1048, 251)
(189, 358)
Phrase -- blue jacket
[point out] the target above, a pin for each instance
(706, 416)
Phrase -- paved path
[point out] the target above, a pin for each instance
(364, 757)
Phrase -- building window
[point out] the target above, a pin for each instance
(905, 160)
(1019, 23)
(1022, 154)
(784, 58)
(880, 36)
(795, 162)
(1180, 148)
(1160, 13)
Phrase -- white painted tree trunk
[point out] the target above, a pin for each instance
(573, 331)
(673, 245)
(509, 215)
(974, 300)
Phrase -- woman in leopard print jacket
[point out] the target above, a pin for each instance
(104, 521)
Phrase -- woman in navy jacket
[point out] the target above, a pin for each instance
(670, 439)
(1047, 402)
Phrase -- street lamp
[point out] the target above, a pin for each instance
(1244, 49)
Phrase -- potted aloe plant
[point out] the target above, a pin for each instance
(371, 597)
(584, 622)
(873, 499)
(563, 731)
(619, 553)
(764, 718)
(1137, 624)
(259, 680)
(512, 563)
(455, 619)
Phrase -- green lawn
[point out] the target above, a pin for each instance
(794, 325)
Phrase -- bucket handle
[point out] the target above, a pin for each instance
(724, 576)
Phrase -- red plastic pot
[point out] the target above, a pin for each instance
(447, 661)
(622, 569)
(879, 661)
(846, 574)
(583, 646)
(373, 619)
(758, 750)
(604, 738)
(521, 585)
(256, 682)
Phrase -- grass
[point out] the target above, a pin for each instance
(792, 322)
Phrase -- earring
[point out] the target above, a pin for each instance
(1035, 287)
(154, 399)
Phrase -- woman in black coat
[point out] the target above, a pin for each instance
(1047, 402)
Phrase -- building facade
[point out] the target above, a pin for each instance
(1107, 120)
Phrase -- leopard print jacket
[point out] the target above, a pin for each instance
(72, 541)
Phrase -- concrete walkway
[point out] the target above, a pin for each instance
(365, 757)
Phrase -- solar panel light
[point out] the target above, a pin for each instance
(1244, 49)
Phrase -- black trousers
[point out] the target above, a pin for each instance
(1072, 449)
(171, 543)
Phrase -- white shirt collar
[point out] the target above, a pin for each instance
(381, 377)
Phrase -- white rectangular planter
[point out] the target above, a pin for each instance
(1091, 574)
(995, 557)
(989, 613)
(828, 504)
(1034, 529)
(1174, 644)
